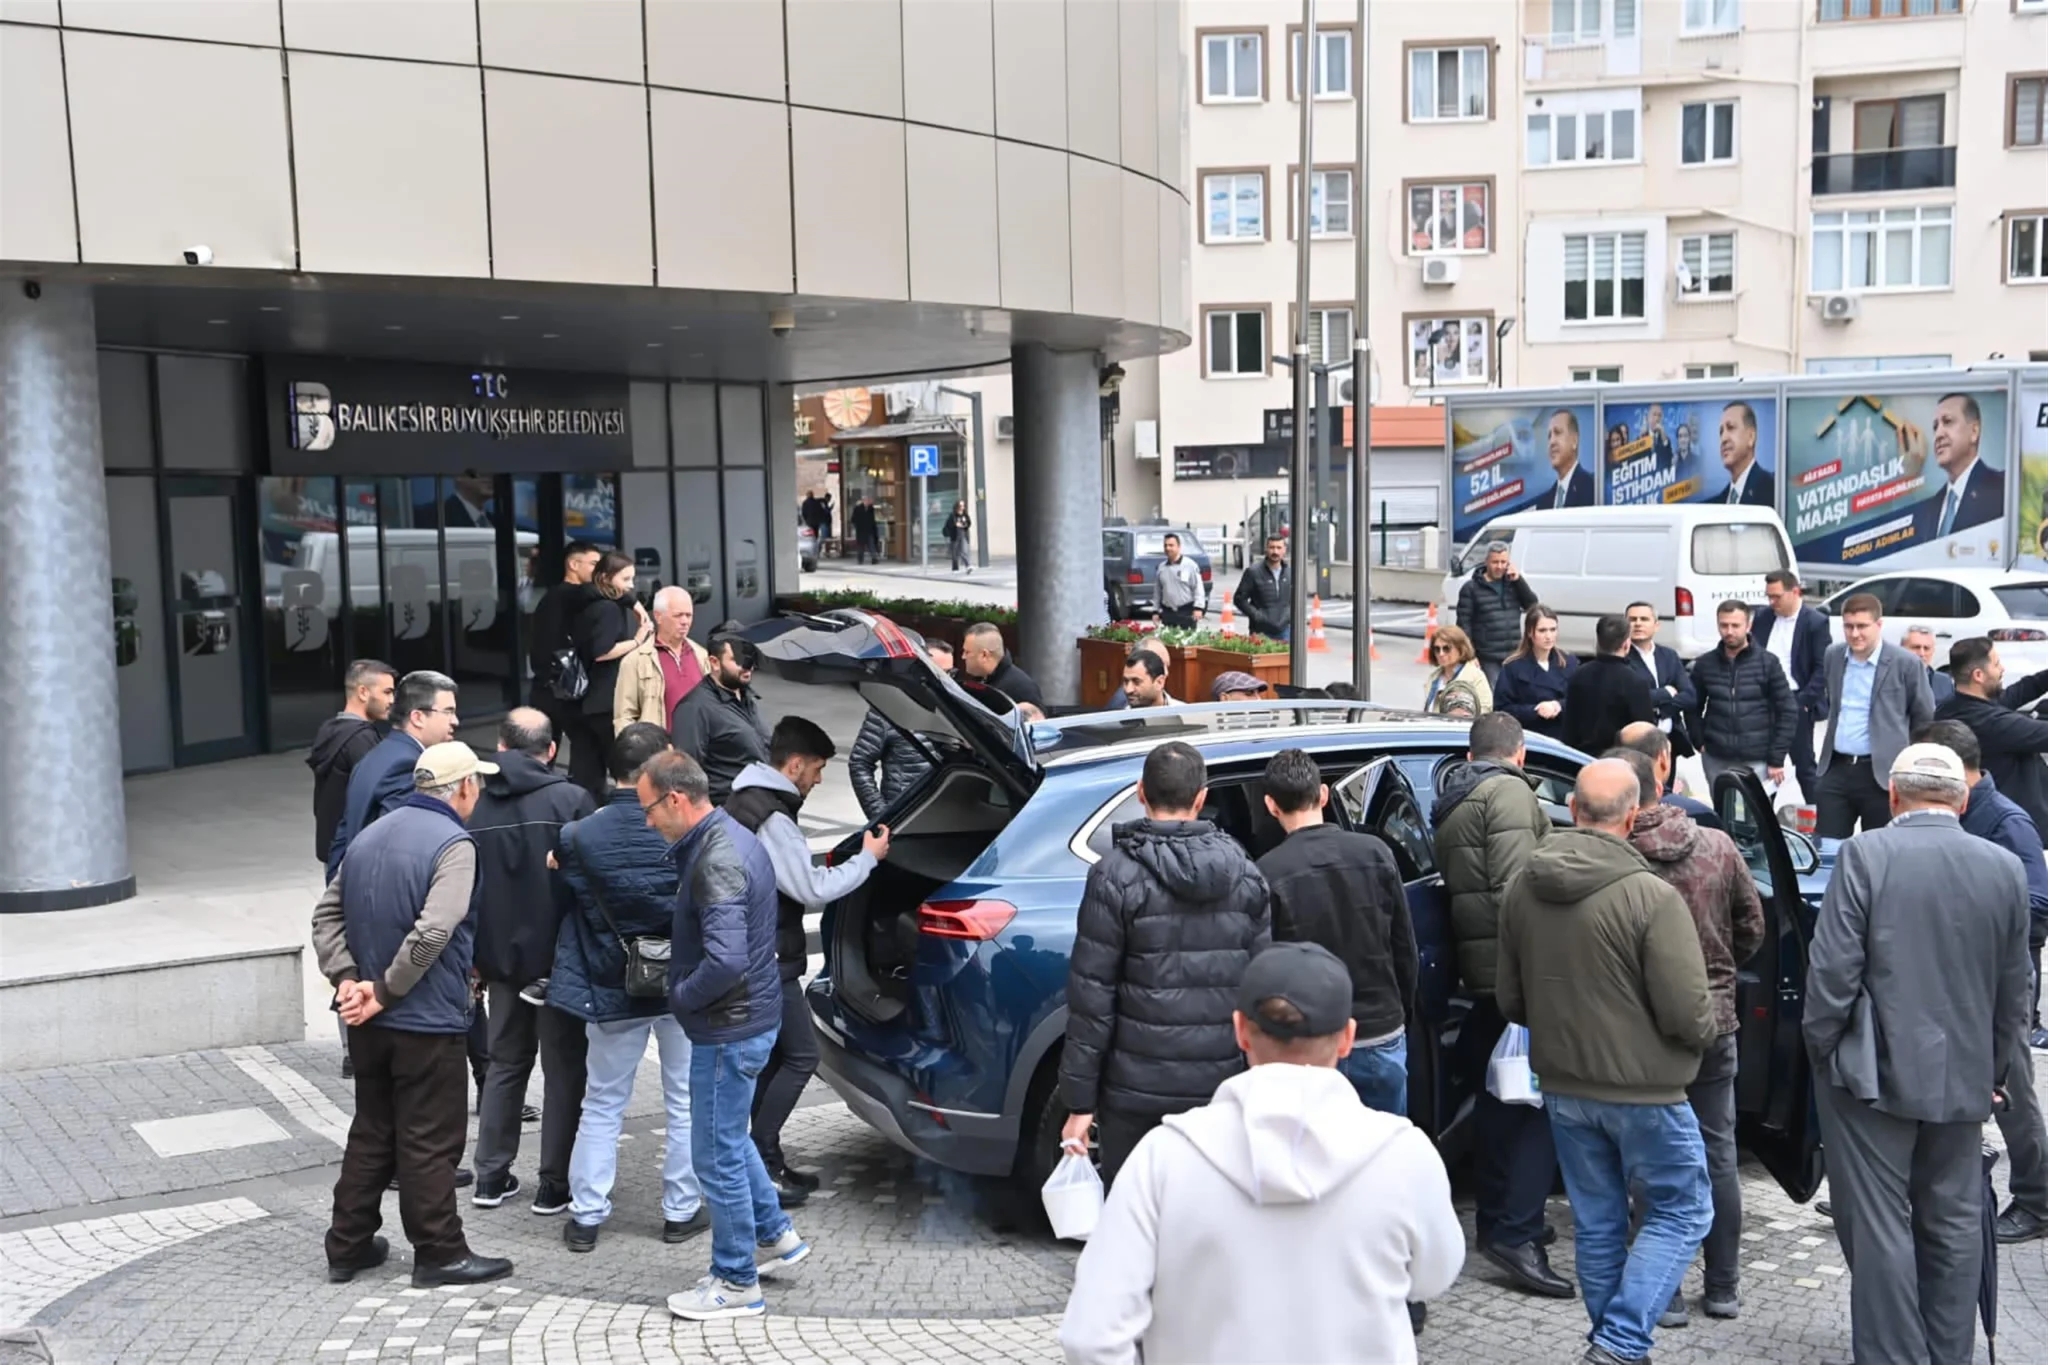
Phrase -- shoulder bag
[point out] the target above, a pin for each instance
(646, 976)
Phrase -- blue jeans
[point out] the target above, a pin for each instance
(744, 1210)
(1380, 1075)
(613, 1056)
(1603, 1149)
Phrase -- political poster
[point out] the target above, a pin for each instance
(2032, 416)
(1897, 481)
(1686, 449)
(1517, 459)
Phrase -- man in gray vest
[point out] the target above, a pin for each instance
(394, 932)
(1916, 1006)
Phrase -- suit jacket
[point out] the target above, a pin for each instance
(1810, 643)
(1919, 1014)
(1760, 491)
(1942, 684)
(1605, 695)
(1670, 671)
(1578, 490)
(1983, 500)
(1900, 703)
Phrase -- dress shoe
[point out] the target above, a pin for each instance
(1530, 1269)
(580, 1236)
(341, 1272)
(1824, 1209)
(793, 1177)
(464, 1177)
(1675, 1314)
(471, 1269)
(1418, 1317)
(788, 1194)
(1547, 1238)
(2018, 1225)
(674, 1230)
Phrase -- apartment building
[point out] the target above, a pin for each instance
(1605, 190)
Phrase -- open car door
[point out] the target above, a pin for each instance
(1773, 1081)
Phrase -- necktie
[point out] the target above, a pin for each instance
(1948, 511)
(1734, 494)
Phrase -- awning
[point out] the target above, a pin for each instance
(897, 431)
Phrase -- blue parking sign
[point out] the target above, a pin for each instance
(924, 461)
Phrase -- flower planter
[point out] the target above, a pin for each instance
(1206, 665)
(1102, 671)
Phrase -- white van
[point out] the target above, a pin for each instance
(1589, 562)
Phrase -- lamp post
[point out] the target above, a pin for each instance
(1361, 381)
(1297, 480)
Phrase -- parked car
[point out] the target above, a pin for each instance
(807, 548)
(1586, 562)
(941, 1008)
(2011, 607)
(1130, 566)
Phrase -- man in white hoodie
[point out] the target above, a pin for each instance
(1283, 1189)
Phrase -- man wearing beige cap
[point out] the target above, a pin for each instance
(394, 932)
(1916, 1005)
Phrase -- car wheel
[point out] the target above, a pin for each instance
(1038, 1146)
(1119, 603)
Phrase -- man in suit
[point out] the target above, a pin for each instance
(1919, 641)
(1973, 492)
(1607, 692)
(1574, 485)
(1903, 1121)
(1796, 635)
(1670, 683)
(470, 503)
(1748, 484)
(1877, 697)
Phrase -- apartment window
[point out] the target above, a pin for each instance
(1711, 16)
(1717, 370)
(1449, 350)
(2026, 248)
(1707, 133)
(2026, 112)
(1868, 249)
(1333, 63)
(1233, 67)
(1329, 202)
(1574, 21)
(1882, 125)
(1603, 276)
(1329, 335)
(1834, 11)
(1456, 216)
(1236, 203)
(1706, 265)
(1596, 374)
(1448, 84)
(1567, 131)
(1237, 341)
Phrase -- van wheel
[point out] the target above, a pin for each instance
(1119, 609)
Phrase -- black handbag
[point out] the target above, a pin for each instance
(646, 975)
(568, 679)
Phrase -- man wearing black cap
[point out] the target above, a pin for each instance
(1204, 1231)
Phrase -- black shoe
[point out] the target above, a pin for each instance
(341, 1272)
(1824, 1209)
(471, 1269)
(789, 1196)
(1418, 1317)
(464, 1178)
(2018, 1225)
(1547, 1238)
(1722, 1303)
(580, 1236)
(529, 1113)
(786, 1176)
(535, 993)
(488, 1194)
(1530, 1269)
(348, 1066)
(673, 1231)
(550, 1198)
(1675, 1313)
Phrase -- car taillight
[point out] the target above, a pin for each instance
(1134, 577)
(895, 644)
(2016, 633)
(976, 920)
(1205, 575)
(1683, 605)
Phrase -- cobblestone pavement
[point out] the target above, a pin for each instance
(114, 1251)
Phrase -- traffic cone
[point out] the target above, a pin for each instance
(1318, 643)
(1372, 638)
(1228, 624)
(1428, 635)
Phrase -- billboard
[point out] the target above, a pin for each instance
(2033, 424)
(1688, 449)
(1519, 458)
(1889, 481)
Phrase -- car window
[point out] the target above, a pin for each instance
(1123, 812)
(2024, 601)
(1400, 824)
(1966, 601)
(1350, 793)
(1737, 548)
(1475, 553)
(1885, 590)
(1154, 542)
(1113, 544)
(1919, 597)
(1741, 819)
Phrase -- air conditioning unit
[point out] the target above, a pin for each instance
(1006, 427)
(1440, 270)
(1840, 307)
(1147, 438)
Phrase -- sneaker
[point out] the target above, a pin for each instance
(550, 1198)
(535, 993)
(1600, 1355)
(1675, 1314)
(529, 1113)
(712, 1299)
(580, 1236)
(785, 1251)
(1722, 1303)
(2039, 1038)
(490, 1192)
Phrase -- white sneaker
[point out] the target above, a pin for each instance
(711, 1299)
(782, 1253)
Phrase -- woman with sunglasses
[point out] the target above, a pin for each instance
(1458, 676)
(1532, 682)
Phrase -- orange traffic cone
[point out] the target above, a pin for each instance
(1372, 638)
(1428, 635)
(1228, 623)
(1318, 643)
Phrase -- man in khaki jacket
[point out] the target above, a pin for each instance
(654, 677)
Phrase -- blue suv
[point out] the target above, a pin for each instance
(941, 1009)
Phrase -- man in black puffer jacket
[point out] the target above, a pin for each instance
(1490, 607)
(1747, 711)
(885, 762)
(1170, 919)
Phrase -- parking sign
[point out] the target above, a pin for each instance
(924, 461)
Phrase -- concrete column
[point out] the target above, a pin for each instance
(1058, 473)
(65, 841)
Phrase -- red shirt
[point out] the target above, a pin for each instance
(679, 673)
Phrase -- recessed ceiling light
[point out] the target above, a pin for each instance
(653, 345)
(394, 327)
(549, 336)
(680, 327)
(270, 308)
(508, 317)
(216, 322)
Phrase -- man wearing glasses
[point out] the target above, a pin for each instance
(423, 716)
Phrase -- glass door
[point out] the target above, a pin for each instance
(214, 687)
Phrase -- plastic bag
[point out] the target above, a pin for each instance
(1508, 1077)
(1073, 1197)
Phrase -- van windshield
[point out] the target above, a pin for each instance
(1737, 549)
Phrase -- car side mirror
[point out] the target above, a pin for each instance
(1805, 853)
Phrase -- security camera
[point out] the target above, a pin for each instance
(199, 255)
(31, 290)
(781, 323)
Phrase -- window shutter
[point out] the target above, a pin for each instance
(1575, 260)
(1632, 253)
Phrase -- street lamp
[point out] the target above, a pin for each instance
(1500, 337)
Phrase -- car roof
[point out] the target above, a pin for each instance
(1374, 724)
(1971, 576)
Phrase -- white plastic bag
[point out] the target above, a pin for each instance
(1508, 1077)
(1073, 1197)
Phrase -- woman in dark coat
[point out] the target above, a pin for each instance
(1532, 681)
(605, 627)
(957, 527)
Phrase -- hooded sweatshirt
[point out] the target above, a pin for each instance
(342, 740)
(1599, 958)
(766, 802)
(1705, 867)
(1283, 1221)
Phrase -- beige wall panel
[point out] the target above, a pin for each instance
(731, 47)
(1138, 86)
(1038, 269)
(1176, 227)
(1031, 71)
(391, 167)
(1141, 248)
(953, 256)
(1097, 193)
(28, 11)
(221, 21)
(732, 154)
(851, 233)
(176, 144)
(1094, 109)
(946, 48)
(422, 30)
(598, 38)
(36, 222)
(568, 179)
(1171, 77)
(847, 54)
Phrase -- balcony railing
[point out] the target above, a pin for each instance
(1837, 11)
(1900, 168)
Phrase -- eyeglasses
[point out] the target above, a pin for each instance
(442, 711)
(1443, 649)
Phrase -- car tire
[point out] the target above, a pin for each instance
(1119, 603)
(1038, 1138)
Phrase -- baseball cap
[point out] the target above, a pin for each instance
(443, 765)
(1307, 976)
(1236, 681)
(1929, 760)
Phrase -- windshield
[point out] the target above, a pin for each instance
(2024, 601)
(1737, 549)
(1154, 542)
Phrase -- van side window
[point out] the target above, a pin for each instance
(1737, 548)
